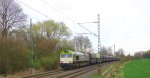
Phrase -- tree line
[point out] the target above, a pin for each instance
(23, 46)
(142, 54)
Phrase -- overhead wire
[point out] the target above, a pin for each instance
(68, 17)
(35, 18)
(58, 12)
(34, 9)
(87, 29)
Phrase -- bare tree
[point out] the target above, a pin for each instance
(109, 51)
(82, 44)
(120, 52)
(104, 51)
(11, 15)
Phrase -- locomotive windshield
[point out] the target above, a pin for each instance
(69, 55)
(63, 55)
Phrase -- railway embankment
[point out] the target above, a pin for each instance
(114, 70)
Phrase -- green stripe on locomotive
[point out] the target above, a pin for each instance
(66, 52)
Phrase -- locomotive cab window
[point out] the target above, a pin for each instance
(69, 55)
(77, 57)
(63, 55)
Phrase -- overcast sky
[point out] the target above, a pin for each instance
(125, 23)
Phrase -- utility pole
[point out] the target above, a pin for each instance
(31, 60)
(99, 44)
(31, 70)
(114, 50)
(98, 35)
(31, 43)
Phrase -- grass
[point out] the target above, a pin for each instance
(114, 70)
(139, 68)
(100, 75)
(104, 71)
(117, 71)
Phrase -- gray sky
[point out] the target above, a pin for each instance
(123, 22)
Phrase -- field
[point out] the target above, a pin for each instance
(137, 69)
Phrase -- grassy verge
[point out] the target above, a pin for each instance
(116, 71)
(102, 70)
(110, 71)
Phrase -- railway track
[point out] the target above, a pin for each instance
(81, 72)
(41, 75)
(77, 73)
(67, 73)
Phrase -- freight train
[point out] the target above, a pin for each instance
(70, 59)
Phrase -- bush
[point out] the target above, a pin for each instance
(49, 63)
(37, 64)
(13, 55)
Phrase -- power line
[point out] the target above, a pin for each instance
(46, 3)
(34, 9)
(58, 12)
(87, 29)
(68, 17)
(35, 18)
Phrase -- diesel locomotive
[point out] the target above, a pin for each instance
(70, 59)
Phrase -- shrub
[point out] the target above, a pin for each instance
(49, 63)
(13, 55)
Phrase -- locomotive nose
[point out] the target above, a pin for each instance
(66, 65)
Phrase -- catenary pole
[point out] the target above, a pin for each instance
(99, 43)
(114, 50)
(31, 70)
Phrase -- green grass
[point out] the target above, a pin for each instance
(139, 68)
